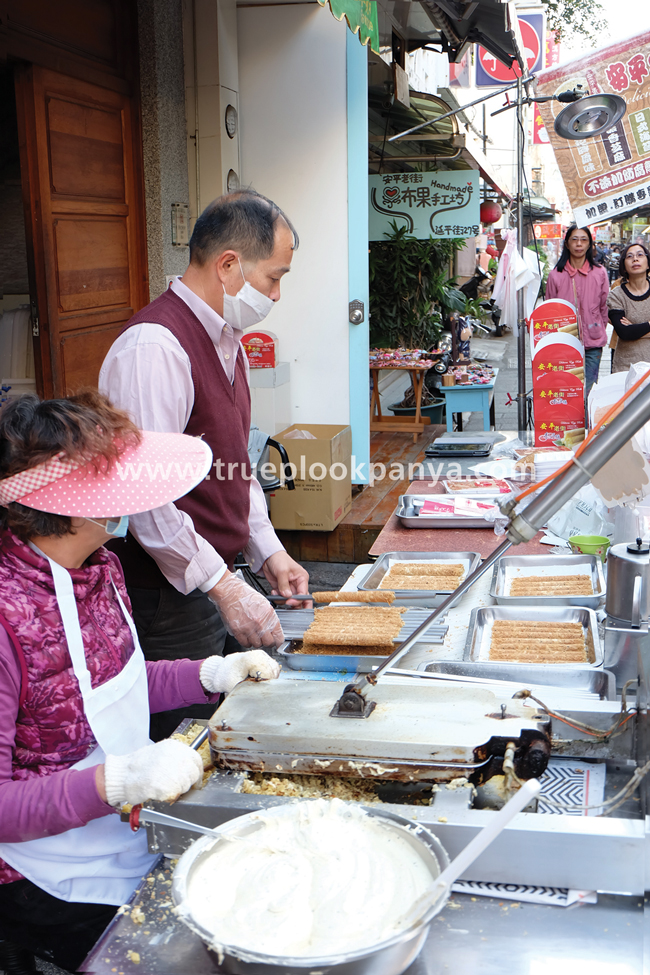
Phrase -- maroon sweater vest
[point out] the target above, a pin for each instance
(221, 414)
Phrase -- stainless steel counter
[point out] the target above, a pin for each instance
(472, 935)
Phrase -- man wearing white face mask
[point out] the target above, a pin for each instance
(179, 366)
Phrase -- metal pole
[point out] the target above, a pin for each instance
(521, 316)
(461, 108)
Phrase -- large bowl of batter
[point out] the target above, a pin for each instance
(311, 887)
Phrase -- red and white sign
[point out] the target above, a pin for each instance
(497, 71)
(548, 231)
(559, 405)
(558, 387)
(552, 55)
(260, 347)
(540, 135)
(551, 316)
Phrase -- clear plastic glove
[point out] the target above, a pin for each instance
(162, 771)
(223, 673)
(247, 615)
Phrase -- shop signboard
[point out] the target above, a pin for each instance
(443, 204)
(609, 175)
(491, 73)
(547, 231)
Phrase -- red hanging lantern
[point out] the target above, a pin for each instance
(490, 212)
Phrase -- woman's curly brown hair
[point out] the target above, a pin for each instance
(84, 427)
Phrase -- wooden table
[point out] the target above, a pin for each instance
(418, 423)
(395, 538)
(473, 398)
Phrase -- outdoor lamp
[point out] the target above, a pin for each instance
(589, 116)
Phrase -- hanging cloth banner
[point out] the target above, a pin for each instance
(361, 16)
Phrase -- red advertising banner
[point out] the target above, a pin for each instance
(547, 231)
(609, 175)
(552, 50)
(540, 135)
(559, 405)
(558, 387)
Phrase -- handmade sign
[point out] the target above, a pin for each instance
(443, 204)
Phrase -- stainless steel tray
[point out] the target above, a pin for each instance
(419, 597)
(477, 646)
(511, 566)
(334, 663)
(405, 513)
(576, 678)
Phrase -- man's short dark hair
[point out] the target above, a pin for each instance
(243, 221)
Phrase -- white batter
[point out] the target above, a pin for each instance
(325, 878)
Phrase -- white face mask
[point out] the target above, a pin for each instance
(248, 307)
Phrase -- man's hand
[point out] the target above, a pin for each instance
(286, 577)
(247, 615)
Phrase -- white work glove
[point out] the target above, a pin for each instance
(246, 614)
(223, 673)
(162, 771)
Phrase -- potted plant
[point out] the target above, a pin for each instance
(411, 295)
(410, 289)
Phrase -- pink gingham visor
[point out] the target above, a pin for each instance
(162, 468)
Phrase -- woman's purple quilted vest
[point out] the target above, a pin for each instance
(52, 732)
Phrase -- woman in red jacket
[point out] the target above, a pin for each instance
(578, 279)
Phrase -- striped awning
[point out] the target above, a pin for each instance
(361, 16)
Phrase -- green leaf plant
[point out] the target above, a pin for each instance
(411, 292)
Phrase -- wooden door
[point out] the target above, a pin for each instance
(85, 222)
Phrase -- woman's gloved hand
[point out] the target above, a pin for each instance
(247, 615)
(223, 673)
(162, 771)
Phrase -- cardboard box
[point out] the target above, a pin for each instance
(323, 495)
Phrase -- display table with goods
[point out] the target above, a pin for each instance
(504, 692)
(473, 392)
(417, 363)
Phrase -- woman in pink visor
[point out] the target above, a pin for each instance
(75, 690)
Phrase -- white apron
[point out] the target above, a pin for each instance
(103, 861)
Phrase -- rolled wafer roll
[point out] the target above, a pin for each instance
(426, 569)
(354, 597)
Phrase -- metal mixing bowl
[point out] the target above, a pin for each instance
(390, 957)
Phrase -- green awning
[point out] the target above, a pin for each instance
(361, 16)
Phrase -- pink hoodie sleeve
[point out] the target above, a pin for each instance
(175, 683)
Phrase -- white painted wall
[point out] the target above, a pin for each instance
(292, 97)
